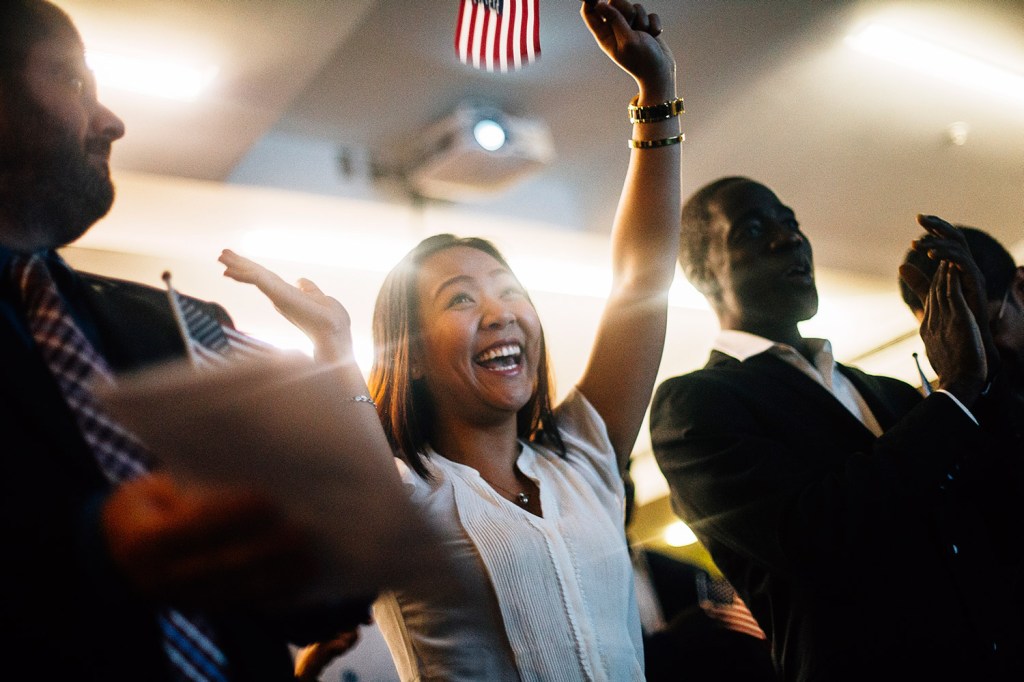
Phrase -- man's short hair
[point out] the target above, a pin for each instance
(695, 238)
(994, 261)
(23, 23)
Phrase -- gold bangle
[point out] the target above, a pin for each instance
(654, 144)
(654, 112)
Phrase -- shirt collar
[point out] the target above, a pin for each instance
(744, 345)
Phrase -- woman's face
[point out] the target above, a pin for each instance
(479, 346)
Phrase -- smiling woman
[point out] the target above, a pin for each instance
(452, 320)
(527, 497)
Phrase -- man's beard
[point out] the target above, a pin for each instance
(47, 184)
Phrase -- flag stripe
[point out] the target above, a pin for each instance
(535, 52)
(736, 617)
(208, 342)
(488, 39)
(506, 34)
(498, 35)
(494, 40)
(479, 16)
(517, 36)
(462, 31)
(528, 35)
(470, 20)
(720, 602)
(524, 34)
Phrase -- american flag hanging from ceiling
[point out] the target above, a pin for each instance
(498, 35)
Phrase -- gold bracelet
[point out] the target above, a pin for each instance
(654, 112)
(654, 144)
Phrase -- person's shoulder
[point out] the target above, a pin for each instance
(111, 287)
(720, 371)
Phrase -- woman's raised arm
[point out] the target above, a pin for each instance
(627, 351)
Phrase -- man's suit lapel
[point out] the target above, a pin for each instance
(880, 408)
(805, 394)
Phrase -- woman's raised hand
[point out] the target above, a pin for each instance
(322, 318)
(630, 37)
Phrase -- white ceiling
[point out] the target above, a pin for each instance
(857, 146)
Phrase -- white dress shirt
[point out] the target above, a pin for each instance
(536, 599)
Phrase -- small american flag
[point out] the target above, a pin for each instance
(498, 34)
(719, 601)
(208, 342)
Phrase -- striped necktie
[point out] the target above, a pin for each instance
(75, 364)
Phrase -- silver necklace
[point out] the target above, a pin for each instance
(519, 498)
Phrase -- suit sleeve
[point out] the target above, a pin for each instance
(775, 493)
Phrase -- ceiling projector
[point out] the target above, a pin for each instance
(473, 153)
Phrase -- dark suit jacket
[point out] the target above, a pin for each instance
(65, 610)
(861, 557)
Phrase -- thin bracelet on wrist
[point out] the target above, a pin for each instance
(654, 144)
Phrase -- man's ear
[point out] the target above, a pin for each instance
(1017, 287)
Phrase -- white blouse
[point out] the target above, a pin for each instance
(529, 598)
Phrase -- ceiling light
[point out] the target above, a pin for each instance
(678, 534)
(892, 44)
(150, 76)
(489, 134)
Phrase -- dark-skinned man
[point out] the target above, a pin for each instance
(827, 496)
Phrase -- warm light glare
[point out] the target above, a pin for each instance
(561, 277)
(678, 534)
(364, 251)
(372, 253)
(150, 76)
(894, 45)
(489, 135)
(285, 338)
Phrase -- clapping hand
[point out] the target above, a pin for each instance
(946, 244)
(951, 333)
